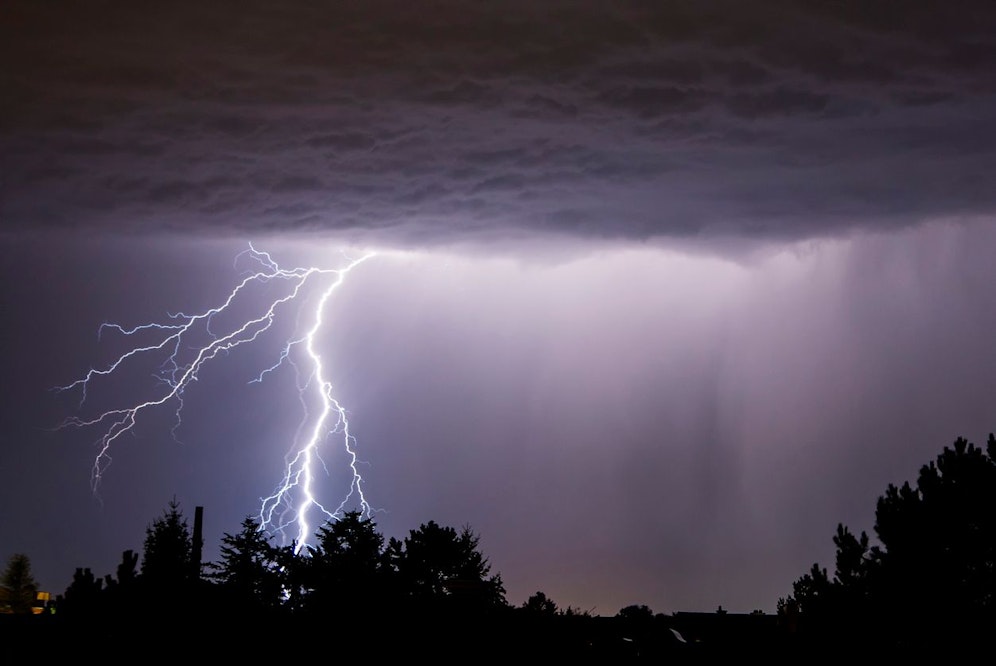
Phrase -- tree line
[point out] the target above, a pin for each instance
(351, 570)
(431, 592)
(927, 580)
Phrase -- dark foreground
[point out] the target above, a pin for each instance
(226, 634)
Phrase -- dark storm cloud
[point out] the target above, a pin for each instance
(434, 120)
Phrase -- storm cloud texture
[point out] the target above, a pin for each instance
(669, 290)
(428, 121)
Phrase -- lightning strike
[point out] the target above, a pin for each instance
(184, 344)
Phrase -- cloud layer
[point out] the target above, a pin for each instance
(440, 121)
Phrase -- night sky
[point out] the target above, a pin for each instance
(664, 290)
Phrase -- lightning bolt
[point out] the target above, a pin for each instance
(186, 343)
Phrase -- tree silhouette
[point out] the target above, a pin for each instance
(18, 589)
(931, 578)
(347, 569)
(540, 604)
(433, 589)
(120, 594)
(294, 575)
(166, 577)
(248, 570)
(938, 551)
(636, 613)
(83, 597)
(437, 564)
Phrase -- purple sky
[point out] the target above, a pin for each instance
(665, 294)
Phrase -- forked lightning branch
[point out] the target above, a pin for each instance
(182, 346)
